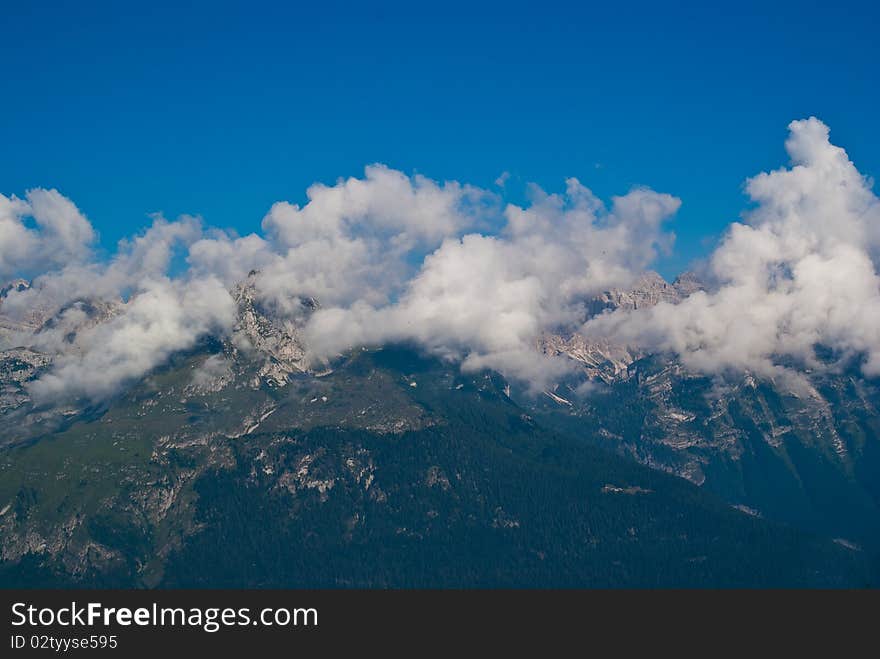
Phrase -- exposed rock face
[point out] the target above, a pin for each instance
(9, 326)
(17, 367)
(16, 285)
(45, 325)
(267, 347)
(808, 456)
(602, 359)
(755, 442)
(688, 283)
(264, 348)
(30, 341)
(158, 491)
(745, 439)
(277, 341)
(63, 326)
(649, 290)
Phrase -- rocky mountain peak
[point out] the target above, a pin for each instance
(603, 359)
(687, 283)
(600, 359)
(273, 337)
(16, 285)
(648, 290)
(16, 323)
(80, 314)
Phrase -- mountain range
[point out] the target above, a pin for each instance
(240, 463)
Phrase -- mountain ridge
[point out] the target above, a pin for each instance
(807, 461)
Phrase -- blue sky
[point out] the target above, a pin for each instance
(220, 109)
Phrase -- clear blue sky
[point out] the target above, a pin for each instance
(219, 109)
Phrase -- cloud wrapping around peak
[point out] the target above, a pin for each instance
(137, 261)
(390, 257)
(484, 299)
(351, 242)
(799, 272)
(451, 269)
(165, 317)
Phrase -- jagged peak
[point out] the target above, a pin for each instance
(247, 294)
(16, 285)
(94, 312)
(649, 279)
(688, 282)
(263, 329)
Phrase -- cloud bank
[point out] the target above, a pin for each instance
(483, 299)
(454, 269)
(799, 273)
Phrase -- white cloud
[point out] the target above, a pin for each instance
(139, 259)
(485, 299)
(59, 234)
(390, 258)
(357, 240)
(353, 241)
(164, 317)
(800, 271)
(394, 258)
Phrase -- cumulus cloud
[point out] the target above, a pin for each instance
(450, 268)
(353, 241)
(390, 257)
(107, 322)
(798, 273)
(356, 241)
(485, 299)
(58, 233)
(163, 318)
(137, 260)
